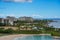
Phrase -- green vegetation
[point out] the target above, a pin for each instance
(36, 27)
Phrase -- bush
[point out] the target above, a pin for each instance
(9, 31)
(1, 30)
(55, 34)
(28, 32)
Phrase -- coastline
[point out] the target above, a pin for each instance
(11, 37)
(56, 37)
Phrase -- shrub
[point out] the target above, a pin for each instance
(1, 30)
(55, 34)
(9, 31)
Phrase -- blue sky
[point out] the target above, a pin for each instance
(33, 8)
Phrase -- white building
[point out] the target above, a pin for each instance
(26, 19)
(1, 20)
(11, 19)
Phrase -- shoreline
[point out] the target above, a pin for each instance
(11, 37)
(56, 37)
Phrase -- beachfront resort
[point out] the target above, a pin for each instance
(29, 19)
(26, 26)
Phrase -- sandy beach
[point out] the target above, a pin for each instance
(11, 37)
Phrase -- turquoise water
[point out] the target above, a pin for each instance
(35, 38)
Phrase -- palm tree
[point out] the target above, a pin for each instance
(19, 24)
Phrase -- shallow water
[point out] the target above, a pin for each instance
(35, 38)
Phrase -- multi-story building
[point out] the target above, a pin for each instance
(11, 20)
(6, 22)
(1, 20)
(29, 19)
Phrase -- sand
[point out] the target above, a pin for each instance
(11, 37)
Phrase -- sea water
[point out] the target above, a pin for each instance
(38, 37)
(55, 24)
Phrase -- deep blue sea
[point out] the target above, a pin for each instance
(36, 38)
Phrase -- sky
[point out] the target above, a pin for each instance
(30, 8)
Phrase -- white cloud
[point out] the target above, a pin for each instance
(37, 16)
(10, 15)
(56, 17)
(29, 0)
(17, 0)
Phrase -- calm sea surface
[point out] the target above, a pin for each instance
(35, 38)
(55, 24)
